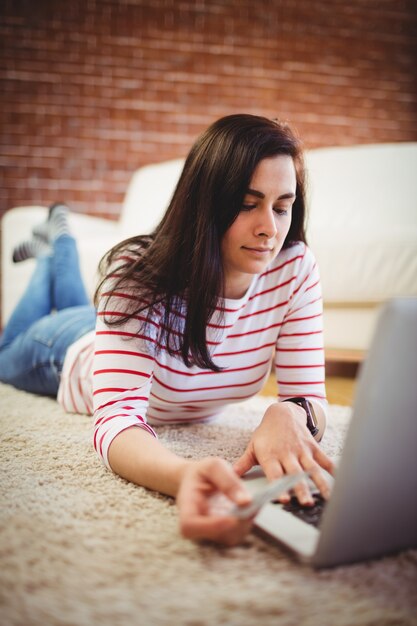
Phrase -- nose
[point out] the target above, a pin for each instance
(266, 225)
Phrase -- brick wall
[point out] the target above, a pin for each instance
(93, 89)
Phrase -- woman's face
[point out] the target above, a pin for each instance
(259, 231)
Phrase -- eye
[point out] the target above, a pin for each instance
(248, 207)
(284, 208)
(279, 211)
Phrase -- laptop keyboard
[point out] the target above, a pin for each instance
(309, 514)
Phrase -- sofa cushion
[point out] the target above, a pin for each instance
(363, 220)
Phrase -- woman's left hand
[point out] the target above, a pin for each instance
(282, 444)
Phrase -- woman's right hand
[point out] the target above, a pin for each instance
(207, 492)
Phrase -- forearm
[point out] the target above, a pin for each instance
(140, 458)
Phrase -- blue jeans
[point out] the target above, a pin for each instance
(53, 312)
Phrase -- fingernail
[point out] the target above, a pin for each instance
(242, 496)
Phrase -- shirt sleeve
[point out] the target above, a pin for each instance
(299, 356)
(122, 375)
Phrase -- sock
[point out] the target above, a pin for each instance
(54, 225)
(57, 223)
(29, 249)
(40, 231)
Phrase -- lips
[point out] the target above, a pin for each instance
(257, 249)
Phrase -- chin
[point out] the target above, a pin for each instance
(258, 268)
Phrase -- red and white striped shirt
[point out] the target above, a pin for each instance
(279, 317)
(75, 388)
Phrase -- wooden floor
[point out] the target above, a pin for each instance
(340, 389)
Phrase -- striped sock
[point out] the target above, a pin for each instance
(58, 221)
(45, 230)
(30, 249)
(41, 231)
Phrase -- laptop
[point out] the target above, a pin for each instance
(372, 510)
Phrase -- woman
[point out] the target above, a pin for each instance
(190, 317)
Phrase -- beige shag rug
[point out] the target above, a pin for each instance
(79, 546)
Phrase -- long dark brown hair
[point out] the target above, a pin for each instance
(178, 268)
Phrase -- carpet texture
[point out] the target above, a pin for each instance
(79, 546)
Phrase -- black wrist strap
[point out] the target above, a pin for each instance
(311, 423)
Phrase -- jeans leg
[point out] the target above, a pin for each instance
(34, 360)
(34, 304)
(67, 284)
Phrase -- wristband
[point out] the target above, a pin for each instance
(311, 423)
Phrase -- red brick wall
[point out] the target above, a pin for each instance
(93, 89)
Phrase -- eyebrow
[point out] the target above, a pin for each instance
(259, 194)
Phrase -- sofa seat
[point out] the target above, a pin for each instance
(362, 228)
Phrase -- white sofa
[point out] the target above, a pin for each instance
(362, 229)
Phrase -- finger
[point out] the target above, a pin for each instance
(284, 498)
(195, 497)
(301, 489)
(237, 534)
(323, 460)
(317, 476)
(303, 493)
(274, 470)
(191, 502)
(206, 527)
(321, 482)
(224, 529)
(245, 463)
(222, 476)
